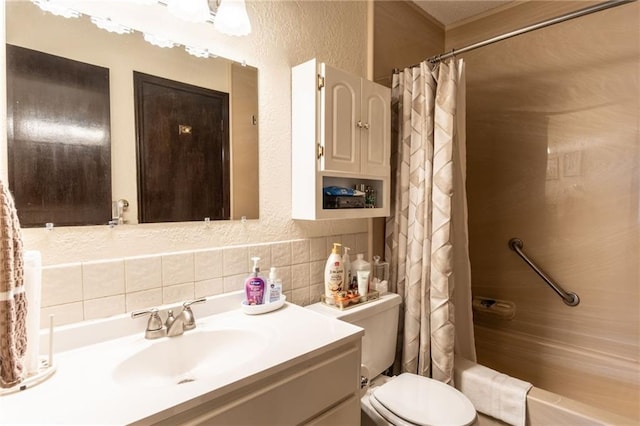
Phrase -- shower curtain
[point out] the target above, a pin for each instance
(426, 239)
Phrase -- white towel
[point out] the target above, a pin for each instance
(491, 392)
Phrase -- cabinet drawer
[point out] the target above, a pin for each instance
(346, 413)
(292, 396)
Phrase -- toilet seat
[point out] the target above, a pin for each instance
(410, 399)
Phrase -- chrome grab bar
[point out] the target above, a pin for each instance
(568, 297)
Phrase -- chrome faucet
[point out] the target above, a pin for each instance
(172, 326)
(185, 319)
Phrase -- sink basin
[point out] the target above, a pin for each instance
(195, 355)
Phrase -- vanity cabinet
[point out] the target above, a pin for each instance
(319, 390)
(341, 136)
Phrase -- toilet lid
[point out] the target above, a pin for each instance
(426, 402)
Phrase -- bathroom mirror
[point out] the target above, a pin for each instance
(123, 54)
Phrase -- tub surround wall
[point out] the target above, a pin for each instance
(552, 146)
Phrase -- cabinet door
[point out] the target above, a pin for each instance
(340, 115)
(376, 132)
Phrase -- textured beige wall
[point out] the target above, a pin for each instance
(284, 34)
(403, 35)
(553, 158)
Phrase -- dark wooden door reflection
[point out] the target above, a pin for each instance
(59, 143)
(183, 151)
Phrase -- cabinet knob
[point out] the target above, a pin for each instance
(366, 126)
(359, 124)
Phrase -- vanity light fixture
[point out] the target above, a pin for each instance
(109, 25)
(158, 41)
(56, 9)
(198, 52)
(232, 19)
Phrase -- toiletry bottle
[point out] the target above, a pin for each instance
(274, 287)
(254, 285)
(333, 275)
(361, 265)
(379, 274)
(346, 263)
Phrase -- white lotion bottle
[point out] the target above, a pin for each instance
(333, 275)
(361, 265)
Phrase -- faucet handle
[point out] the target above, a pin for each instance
(155, 327)
(187, 313)
(193, 302)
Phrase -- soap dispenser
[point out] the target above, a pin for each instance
(254, 285)
(274, 287)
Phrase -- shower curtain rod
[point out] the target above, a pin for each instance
(578, 13)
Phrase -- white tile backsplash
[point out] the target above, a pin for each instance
(349, 240)
(101, 279)
(299, 251)
(300, 296)
(299, 276)
(67, 313)
(235, 260)
(209, 287)
(316, 272)
(315, 291)
(143, 299)
(284, 273)
(178, 293)
(281, 254)
(208, 264)
(104, 307)
(362, 244)
(263, 251)
(234, 282)
(81, 291)
(61, 284)
(177, 269)
(318, 248)
(142, 273)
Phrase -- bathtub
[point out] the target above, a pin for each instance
(545, 409)
(549, 409)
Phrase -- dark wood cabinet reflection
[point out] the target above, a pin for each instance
(58, 125)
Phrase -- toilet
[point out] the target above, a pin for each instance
(405, 400)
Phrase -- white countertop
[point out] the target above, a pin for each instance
(83, 389)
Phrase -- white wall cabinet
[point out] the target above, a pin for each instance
(341, 136)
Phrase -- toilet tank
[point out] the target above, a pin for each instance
(379, 318)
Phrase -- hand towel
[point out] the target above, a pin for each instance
(13, 301)
(491, 392)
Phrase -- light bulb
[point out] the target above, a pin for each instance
(190, 10)
(232, 19)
